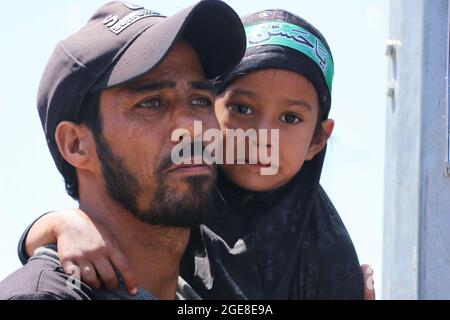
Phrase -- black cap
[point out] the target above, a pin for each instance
(269, 34)
(121, 42)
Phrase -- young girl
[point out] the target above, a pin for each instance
(272, 236)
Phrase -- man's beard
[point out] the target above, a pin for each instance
(169, 207)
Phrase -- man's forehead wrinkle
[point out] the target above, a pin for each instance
(168, 74)
(177, 67)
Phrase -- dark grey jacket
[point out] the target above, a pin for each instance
(43, 278)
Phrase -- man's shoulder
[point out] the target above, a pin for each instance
(42, 278)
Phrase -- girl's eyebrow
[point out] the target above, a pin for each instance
(300, 103)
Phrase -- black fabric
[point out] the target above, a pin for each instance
(288, 243)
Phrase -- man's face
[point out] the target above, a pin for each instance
(134, 146)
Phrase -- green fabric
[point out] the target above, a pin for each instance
(295, 37)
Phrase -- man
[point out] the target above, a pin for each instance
(109, 99)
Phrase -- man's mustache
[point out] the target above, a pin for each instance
(166, 160)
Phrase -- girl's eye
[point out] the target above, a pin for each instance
(290, 118)
(153, 103)
(240, 108)
(202, 102)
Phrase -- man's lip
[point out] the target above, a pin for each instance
(190, 168)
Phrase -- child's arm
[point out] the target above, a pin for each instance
(23, 253)
(83, 244)
(40, 233)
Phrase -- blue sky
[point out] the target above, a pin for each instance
(354, 168)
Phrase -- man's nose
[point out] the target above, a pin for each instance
(188, 121)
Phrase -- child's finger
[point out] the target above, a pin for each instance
(369, 290)
(88, 274)
(121, 264)
(106, 272)
(72, 270)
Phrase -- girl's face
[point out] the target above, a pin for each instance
(273, 99)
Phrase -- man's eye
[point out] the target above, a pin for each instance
(240, 108)
(202, 102)
(153, 103)
(290, 118)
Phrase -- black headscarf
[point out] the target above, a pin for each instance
(288, 243)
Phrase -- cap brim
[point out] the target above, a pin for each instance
(211, 26)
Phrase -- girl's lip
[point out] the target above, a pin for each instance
(257, 164)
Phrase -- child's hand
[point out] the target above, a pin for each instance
(87, 245)
(369, 289)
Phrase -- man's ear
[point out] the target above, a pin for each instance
(74, 143)
(321, 141)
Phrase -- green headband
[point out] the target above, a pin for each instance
(295, 37)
